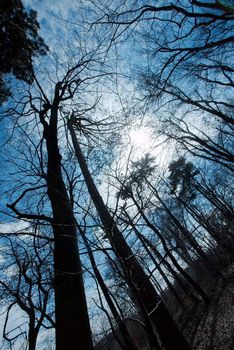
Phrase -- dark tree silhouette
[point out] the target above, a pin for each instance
(71, 315)
(19, 42)
(142, 289)
(29, 288)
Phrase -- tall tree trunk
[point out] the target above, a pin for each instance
(187, 277)
(72, 322)
(128, 342)
(135, 276)
(32, 334)
(146, 246)
(224, 207)
(163, 274)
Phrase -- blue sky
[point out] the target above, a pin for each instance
(65, 32)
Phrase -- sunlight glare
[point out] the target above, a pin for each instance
(140, 138)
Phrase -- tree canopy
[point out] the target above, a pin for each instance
(117, 177)
(19, 42)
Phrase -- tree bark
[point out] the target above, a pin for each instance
(135, 276)
(32, 336)
(128, 342)
(72, 322)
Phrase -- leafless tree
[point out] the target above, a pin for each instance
(26, 285)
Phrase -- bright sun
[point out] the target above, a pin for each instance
(140, 141)
(140, 138)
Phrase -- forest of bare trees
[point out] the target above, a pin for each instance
(117, 175)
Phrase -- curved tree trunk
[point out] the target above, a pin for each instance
(135, 276)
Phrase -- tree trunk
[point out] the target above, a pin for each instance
(186, 276)
(135, 276)
(72, 323)
(32, 337)
(128, 342)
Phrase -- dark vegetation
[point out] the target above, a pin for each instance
(19, 42)
(147, 261)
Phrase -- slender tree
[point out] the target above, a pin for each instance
(29, 288)
(138, 281)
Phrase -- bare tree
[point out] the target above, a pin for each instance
(142, 288)
(71, 316)
(26, 284)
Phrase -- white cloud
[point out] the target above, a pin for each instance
(13, 227)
